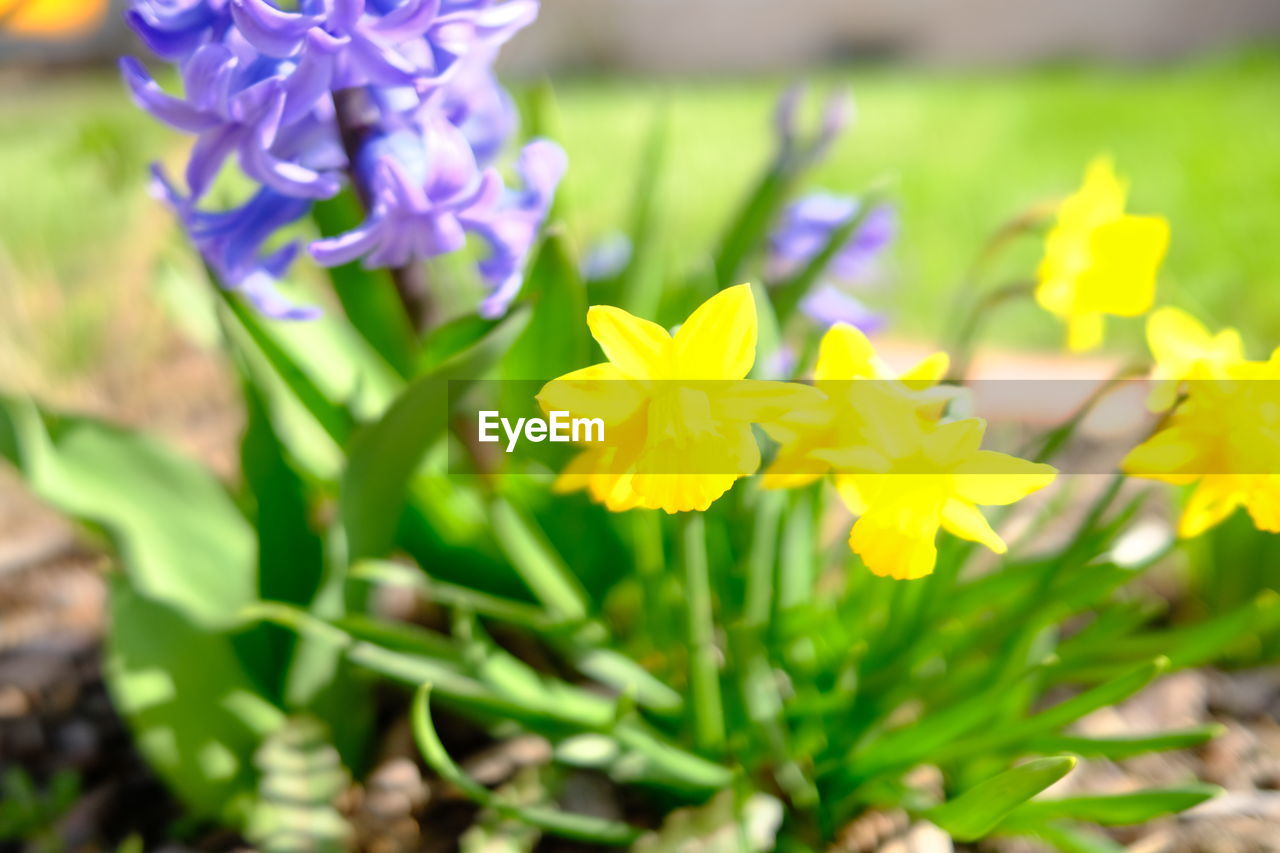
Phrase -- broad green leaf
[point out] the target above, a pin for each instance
(555, 341)
(1115, 809)
(382, 458)
(181, 540)
(368, 296)
(976, 812)
(195, 712)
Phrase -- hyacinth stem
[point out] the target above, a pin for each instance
(356, 115)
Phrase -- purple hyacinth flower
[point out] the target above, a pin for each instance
(808, 224)
(807, 227)
(175, 29)
(246, 121)
(424, 206)
(509, 221)
(828, 304)
(608, 257)
(232, 242)
(419, 180)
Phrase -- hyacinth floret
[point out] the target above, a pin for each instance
(259, 85)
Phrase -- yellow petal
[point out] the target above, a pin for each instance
(845, 353)
(1175, 337)
(897, 545)
(1101, 197)
(929, 371)
(990, 478)
(1084, 332)
(966, 521)
(1125, 257)
(639, 348)
(1213, 500)
(761, 401)
(599, 391)
(1263, 502)
(718, 341)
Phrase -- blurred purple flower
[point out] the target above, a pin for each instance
(232, 243)
(807, 226)
(608, 257)
(258, 86)
(837, 114)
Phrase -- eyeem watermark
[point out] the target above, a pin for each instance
(559, 427)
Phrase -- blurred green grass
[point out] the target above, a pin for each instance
(964, 151)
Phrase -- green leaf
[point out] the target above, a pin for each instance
(195, 712)
(1125, 746)
(747, 231)
(368, 296)
(555, 341)
(382, 458)
(1073, 839)
(577, 827)
(976, 812)
(639, 291)
(537, 562)
(1115, 809)
(453, 338)
(1010, 734)
(180, 538)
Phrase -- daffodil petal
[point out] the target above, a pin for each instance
(718, 341)
(1210, 503)
(991, 478)
(965, 520)
(846, 353)
(638, 348)
(892, 549)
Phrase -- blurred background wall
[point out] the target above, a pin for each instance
(693, 36)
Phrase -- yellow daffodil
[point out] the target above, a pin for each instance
(677, 408)
(1184, 350)
(1224, 438)
(904, 474)
(928, 477)
(845, 357)
(1098, 260)
(51, 18)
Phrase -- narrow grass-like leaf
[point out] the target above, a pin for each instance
(1062, 714)
(577, 827)
(1115, 809)
(976, 812)
(383, 457)
(537, 562)
(1124, 746)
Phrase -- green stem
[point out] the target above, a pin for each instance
(963, 345)
(762, 559)
(704, 675)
